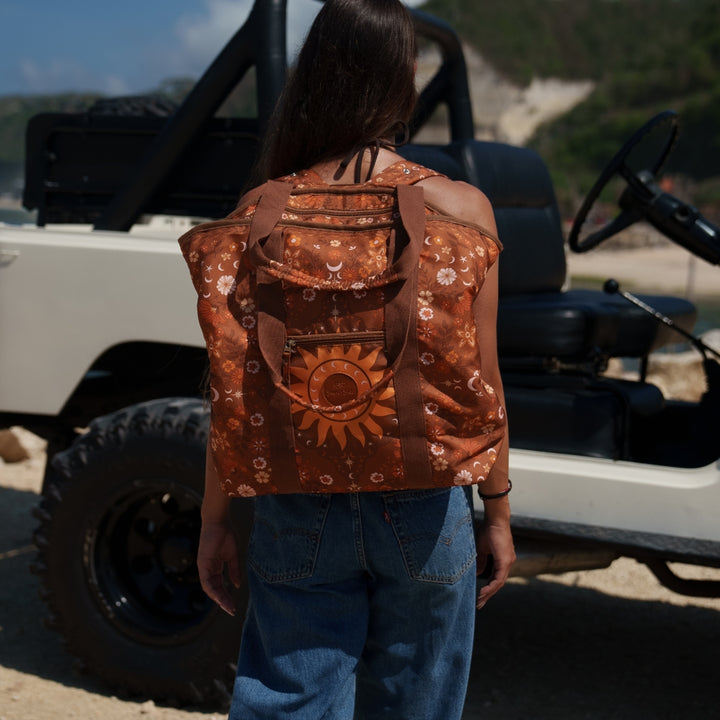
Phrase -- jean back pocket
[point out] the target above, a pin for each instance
(434, 529)
(286, 535)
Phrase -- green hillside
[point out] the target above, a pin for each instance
(644, 55)
(584, 38)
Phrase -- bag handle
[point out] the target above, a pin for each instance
(399, 312)
(274, 195)
(401, 339)
(265, 247)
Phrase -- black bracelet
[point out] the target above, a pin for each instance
(497, 495)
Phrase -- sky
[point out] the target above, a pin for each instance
(120, 47)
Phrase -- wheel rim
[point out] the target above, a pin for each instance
(139, 561)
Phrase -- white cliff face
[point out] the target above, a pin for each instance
(543, 100)
(502, 111)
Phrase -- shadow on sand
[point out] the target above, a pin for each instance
(543, 650)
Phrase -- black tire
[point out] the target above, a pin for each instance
(116, 555)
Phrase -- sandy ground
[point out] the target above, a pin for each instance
(665, 267)
(606, 644)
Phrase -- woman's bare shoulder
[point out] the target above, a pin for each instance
(461, 200)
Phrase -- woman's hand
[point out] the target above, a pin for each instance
(217, 548)
(494, 539)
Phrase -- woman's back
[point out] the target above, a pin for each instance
(455, 198)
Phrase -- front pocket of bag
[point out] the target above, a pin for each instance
(434, 529)
(286, 535)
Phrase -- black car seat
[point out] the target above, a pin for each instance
(539, 317)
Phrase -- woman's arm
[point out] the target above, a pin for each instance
(469, 204)
(217, 546)
(495, 538)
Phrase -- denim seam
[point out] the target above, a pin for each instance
(358, 530)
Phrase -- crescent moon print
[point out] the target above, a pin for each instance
(471, 384)
(334, 268)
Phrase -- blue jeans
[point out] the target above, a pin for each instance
(361, 606)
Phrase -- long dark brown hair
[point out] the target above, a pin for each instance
(353, 84)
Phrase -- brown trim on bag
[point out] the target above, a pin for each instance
(402, 311)
(440, 214)
(271, 318)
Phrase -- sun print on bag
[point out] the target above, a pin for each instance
(335, 377)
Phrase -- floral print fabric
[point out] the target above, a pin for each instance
(339, 243)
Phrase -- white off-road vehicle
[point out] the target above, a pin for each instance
(100, 352)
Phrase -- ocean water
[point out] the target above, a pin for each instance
(16, 216)
(708, 314)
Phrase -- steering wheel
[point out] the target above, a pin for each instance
(619, 166)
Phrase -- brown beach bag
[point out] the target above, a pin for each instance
(341, 337)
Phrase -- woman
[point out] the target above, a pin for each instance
(361, 635)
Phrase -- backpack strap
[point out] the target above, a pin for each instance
(273, 196)
(265, 250)
(401, 313)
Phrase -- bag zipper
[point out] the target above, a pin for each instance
(340, 212)
(340, 338)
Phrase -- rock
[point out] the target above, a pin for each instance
(18, 444)
(11, 450)
(712, 339)
(148, 708)
(679, 376)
